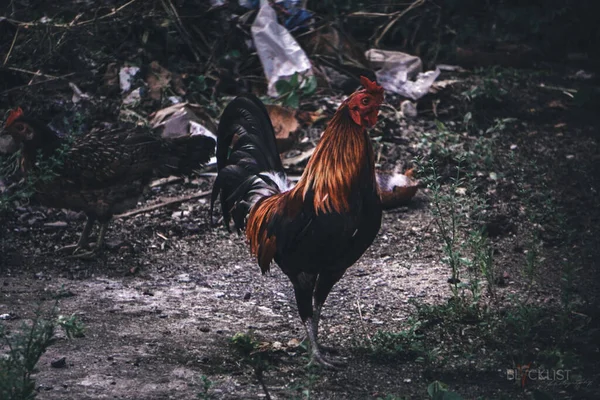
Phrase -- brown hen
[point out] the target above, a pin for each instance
(102, 173)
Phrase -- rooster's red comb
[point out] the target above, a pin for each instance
(371, 86)
(12, 116)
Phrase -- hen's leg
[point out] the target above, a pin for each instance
(303, 289)
(99, 243)
(324, 285)
(83, 238)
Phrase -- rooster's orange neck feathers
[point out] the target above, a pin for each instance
(343, 157)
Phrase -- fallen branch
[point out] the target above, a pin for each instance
(166, 181)
(35, 73)
(172, 11)
(399, 15)
(72, 23)
(37, 83)
(11, 46)
(163, 204)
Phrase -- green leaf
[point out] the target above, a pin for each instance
(201, 82)
(294, 80)
(293, 100)
(234, 54)
(440, 126)
(468, 117)
(282, 86)
(310, 85)
(448, 396)
(436, 387)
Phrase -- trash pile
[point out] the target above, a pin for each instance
(227, 51)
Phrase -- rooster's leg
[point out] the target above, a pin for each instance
(83, 239)
(315, 327)
(324, 284)
(99, 243)
(303, 289)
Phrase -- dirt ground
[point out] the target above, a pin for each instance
(152, 334)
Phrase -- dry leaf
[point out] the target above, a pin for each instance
(158, 78)
(285, 125)
(111, 77)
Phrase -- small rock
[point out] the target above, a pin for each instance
(408, 109)
(114, 243)
(59, 363)
(247, 296)
(277, 346)
(192, 228)
(57, 224)
(503, 280)
(74, 215)
(204, 329)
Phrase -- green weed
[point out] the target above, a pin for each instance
(298, 86)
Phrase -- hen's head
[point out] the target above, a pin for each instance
(364, 104)
(17, 127)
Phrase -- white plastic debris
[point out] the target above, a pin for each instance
(197, 128)
(182, 119)
(582, 75)
(78, 94)
(408, 109)
(280, 55)
(134, 97)
(401, 73)
(126, 75)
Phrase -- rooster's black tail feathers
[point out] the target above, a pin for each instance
(248, 162)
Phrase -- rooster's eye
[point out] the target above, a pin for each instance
(365, 101)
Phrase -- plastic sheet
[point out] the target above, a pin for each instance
(401, 73)
(281, 56)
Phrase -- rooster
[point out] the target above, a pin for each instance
(101, 173)
(317, 229)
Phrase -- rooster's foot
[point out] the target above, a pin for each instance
(322, 348)
(329, 349)
(318, 359)
(70, 249)
(84, 255)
